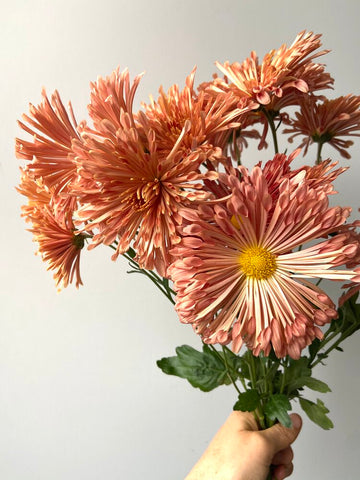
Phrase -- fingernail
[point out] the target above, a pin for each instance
(296, 421)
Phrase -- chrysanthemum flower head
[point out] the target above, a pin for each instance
(283, 70)
(130, 192)
(327, 121)
(51, 216)
(239, 275)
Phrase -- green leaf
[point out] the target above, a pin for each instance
(299, 368)
(204, 370)
(271, 372)
(309, 382)
(314, 348)
(296, 373)
(171, 366)
(277, 408)
(347, 323)
(248, 401)
(349, 318)
(317, 413)
(316, 385)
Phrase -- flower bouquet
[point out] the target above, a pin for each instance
(239, 251)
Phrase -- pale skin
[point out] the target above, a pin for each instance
(239, 451)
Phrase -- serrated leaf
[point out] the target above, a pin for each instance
(204, 370)
(277, 408)
(309, 382)
(317, 385)
(171, 366)
(247, 401)
(317, 413)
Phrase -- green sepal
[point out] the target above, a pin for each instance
(317, 413)
(277, 408)
(248, 401)
(204, 370)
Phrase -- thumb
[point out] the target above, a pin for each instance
(281, 437)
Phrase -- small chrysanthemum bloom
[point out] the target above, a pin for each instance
(211, 117)
(59, 244)
(326, 122)
(131, 193)
(282, 69)
(50, 152)
(239, 275)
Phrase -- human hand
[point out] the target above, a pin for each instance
(239, 451)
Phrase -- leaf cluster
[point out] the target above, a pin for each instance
(269, 384)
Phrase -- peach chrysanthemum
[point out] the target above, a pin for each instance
(238, 275)
(131, 193)
(327, 121)
(59, 244)
(50, 152)
(281, 70)
(210, 117)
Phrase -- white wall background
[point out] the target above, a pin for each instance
(81, 396)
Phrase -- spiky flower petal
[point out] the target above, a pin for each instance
(50, 151)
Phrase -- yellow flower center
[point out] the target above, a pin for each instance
(257, 262)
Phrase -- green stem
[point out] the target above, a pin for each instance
(343, 335)
(237, 154)
(283, 380)
(270, 119)
(241, 378)
(318, 156)
(228, 370)
(270, 475)
(327, 338)
(161, 283)
(259, 412)
(252, 371)
(270, 383)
